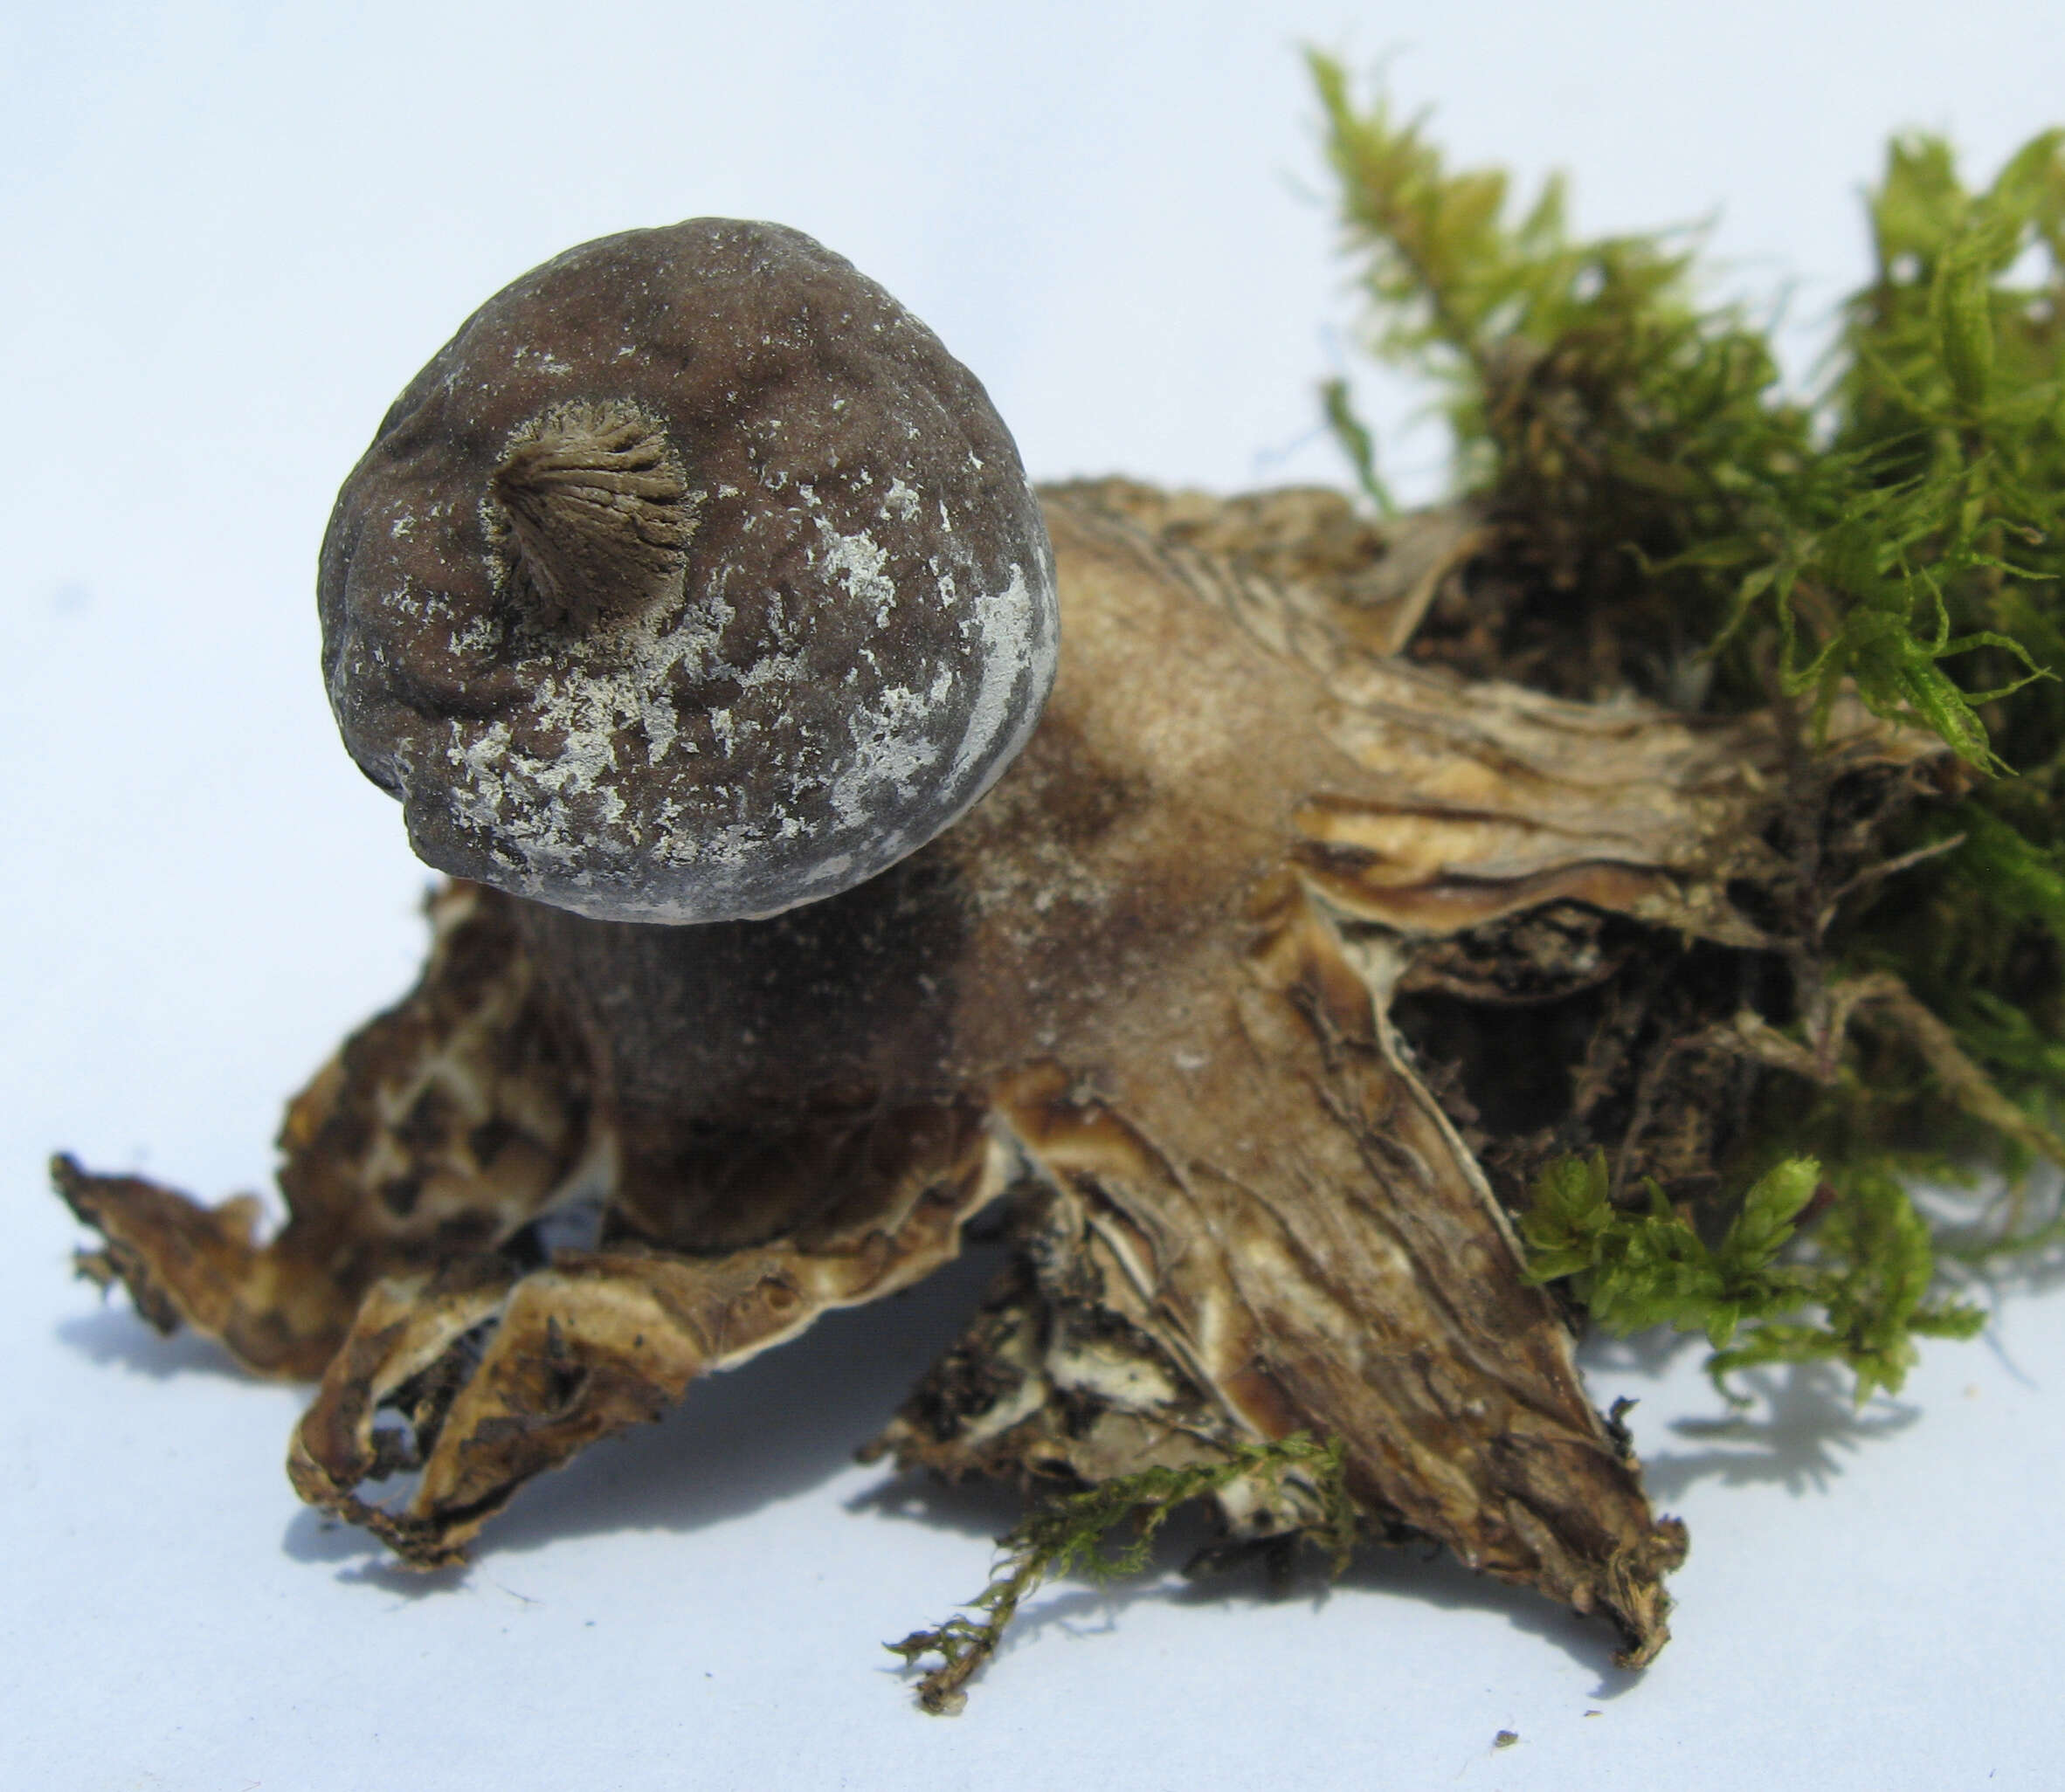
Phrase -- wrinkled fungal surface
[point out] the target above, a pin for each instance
(1201, 1000)
(693, 579)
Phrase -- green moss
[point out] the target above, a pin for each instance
(1068, 1535)
(1858, 1298)
(1680, 522)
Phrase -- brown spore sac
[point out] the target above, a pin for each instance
(691, 580)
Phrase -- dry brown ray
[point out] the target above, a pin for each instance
(439, 1129)
(500, 1375)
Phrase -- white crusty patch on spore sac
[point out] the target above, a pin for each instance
(900, 502)
(478, 637)
(858, 562)
(562, 813)
(563, 796)
(895, 741)
(1014, 648)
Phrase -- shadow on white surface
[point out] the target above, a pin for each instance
(784, 1428)
(1804, 1430)
(790, 1421)
(1653, 1353)
(1799, 1427)
(785, 1422)
(112, 1336)
(1419, 1574)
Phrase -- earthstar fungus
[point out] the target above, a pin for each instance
(689, 600)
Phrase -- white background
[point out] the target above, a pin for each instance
(231, 234)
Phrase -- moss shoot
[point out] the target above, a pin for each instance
(1068, 1535)
(1673, 520)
